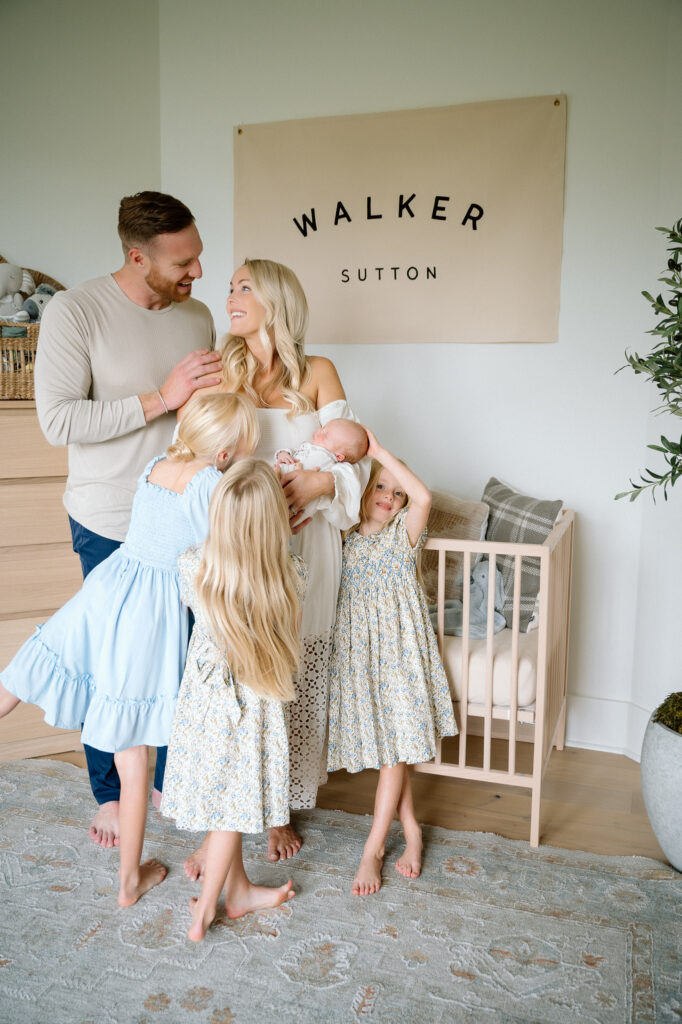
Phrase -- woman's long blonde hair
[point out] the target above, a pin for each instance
(286, 313)
(212, 423)
(247, 582)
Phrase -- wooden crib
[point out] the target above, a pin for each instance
(509, 684)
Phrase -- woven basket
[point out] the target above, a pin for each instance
(18, 355)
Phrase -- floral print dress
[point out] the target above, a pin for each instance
(228, 756)
(389, 696)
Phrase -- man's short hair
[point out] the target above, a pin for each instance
(147, 214)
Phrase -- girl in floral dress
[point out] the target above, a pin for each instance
(228, 757)
(389, 697)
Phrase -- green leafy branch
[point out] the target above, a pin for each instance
(663, 367)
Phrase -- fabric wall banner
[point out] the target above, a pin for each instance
(437, 225)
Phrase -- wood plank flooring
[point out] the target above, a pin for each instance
(592, 801)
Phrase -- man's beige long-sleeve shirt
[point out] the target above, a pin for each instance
(97, 352)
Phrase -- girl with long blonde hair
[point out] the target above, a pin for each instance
(112, 657)
(294, 395)
(228, 758)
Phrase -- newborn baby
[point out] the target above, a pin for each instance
(338, 441)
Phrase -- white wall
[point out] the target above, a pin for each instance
(79, 131)
(553, 420)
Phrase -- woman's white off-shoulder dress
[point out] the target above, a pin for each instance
(319, 544)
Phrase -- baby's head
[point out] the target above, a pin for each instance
(347, 441)
(218, 427)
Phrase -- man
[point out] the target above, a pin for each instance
(117, 356)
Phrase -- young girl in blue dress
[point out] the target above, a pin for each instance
(228, 758)
(389, 697)
(113, 656)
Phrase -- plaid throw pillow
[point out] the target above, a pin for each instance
(518, 519)
(457, 520)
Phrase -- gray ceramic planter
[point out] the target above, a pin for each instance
(661, 766)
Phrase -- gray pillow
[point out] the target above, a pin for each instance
(518, 519)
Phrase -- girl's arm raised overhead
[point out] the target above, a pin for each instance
(417, 492)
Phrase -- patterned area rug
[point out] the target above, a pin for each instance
(492, 931)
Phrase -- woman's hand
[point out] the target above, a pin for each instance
(300, 488)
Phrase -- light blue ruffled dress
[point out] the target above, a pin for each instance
(112, 658)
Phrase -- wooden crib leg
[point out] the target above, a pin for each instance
(536, 793)
(561, 731)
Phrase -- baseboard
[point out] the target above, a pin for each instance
(614, 726)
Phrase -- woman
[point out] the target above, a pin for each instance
(294, 394)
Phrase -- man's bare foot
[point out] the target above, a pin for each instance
(283, 842)
(202, 919)
(409, 864)
(368, 879)
(196, 862)
(149, 874)
(156, 797)
(250, 898)
(104, 827)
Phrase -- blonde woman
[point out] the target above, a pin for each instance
(228, 758)
(294, 395)
(113, 656)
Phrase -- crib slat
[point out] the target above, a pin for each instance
(514, 681)
(464, 696)
(488, 721)
(440, 623)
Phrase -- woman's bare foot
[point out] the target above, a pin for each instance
(149, 874)
(104, 828)
(248, 898)
(283, 842)
(368, 879)
(156, 797)
(409, 864)
(202, 919)
(196, 862)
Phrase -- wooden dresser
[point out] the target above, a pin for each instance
(38, 569)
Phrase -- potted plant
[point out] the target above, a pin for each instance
(661, 761)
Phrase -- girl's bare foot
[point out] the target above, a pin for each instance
(149, 874)
(248, 898)
(409, 864)
(156, 797)
(104, 828)
(202, 919)
(196, 862)
(283, 842)
(368, 879)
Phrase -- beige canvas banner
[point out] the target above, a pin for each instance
(438, 225)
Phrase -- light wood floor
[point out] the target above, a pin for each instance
(591, 801)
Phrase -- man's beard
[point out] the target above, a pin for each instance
(166, 289)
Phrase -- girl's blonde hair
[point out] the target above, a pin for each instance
(247, 582)
(213, 422)
(286, 313)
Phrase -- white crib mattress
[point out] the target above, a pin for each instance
(527, 673)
